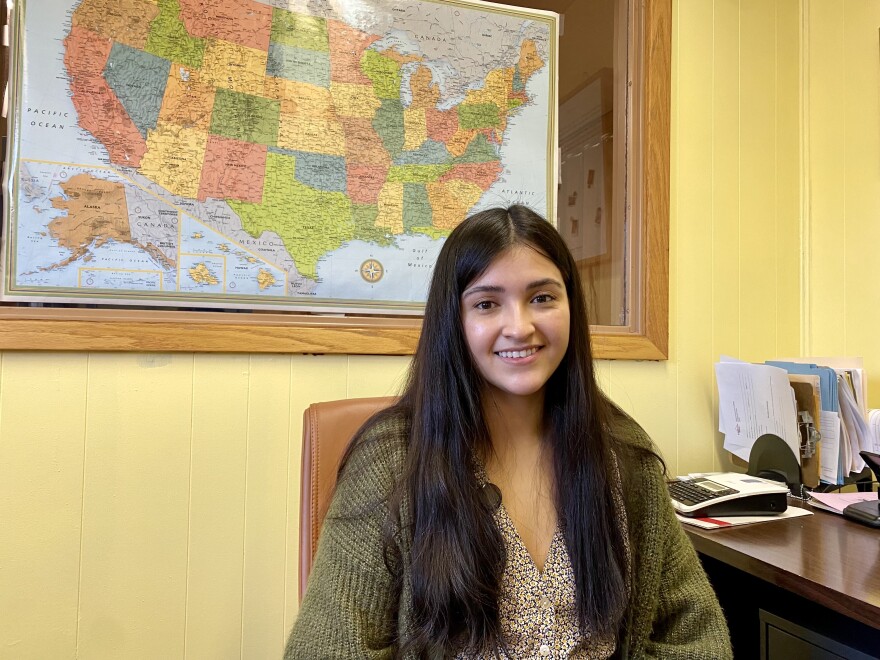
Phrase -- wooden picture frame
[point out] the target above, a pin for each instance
(35, 328)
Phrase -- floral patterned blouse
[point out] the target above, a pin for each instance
(537, 609)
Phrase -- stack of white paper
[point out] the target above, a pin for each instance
(733, 521)
(830, 463)
(854, 425)
(874, 426)
(837, 502)
(753, 400)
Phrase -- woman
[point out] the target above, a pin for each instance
(505, 507)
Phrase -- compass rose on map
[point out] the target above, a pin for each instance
(372, 271)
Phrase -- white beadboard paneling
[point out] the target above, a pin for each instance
(724, 113)
(372, 375)
(758, 224)
(135, 505)
(692, 236)
(860, 111)
(827, 94)
(215, 563)
(647, 391)
(844, 139)
(265, 505)
(42, 419)
(789, 175)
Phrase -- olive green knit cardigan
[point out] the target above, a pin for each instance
(348, 611)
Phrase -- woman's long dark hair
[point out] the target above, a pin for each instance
(458, 553)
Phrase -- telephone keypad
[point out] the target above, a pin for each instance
(690, 492)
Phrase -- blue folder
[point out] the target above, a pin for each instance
(827, 381)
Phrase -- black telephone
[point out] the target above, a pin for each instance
(867, 513)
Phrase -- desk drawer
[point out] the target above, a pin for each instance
(782, 640)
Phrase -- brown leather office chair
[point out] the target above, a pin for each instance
(328, 427)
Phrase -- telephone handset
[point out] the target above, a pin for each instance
(867, 513)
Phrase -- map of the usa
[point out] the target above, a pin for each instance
(212, 152)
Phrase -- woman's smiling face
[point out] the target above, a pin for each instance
(516, 322)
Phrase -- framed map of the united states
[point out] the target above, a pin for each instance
(307, 155)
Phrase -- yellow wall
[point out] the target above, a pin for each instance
(844, 183)
(734, 248)
(148, 503)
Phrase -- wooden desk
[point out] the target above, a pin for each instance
(818, 571)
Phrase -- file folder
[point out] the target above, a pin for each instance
(827, 403)
(843, 420)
